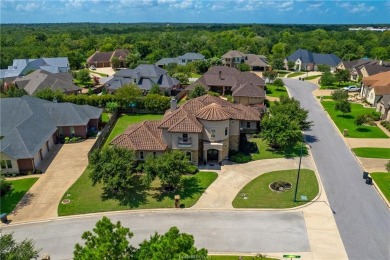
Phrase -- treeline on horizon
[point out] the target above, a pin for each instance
(149, 42)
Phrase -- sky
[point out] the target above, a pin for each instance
(196, 11)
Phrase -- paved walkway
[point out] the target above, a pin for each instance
(368, 142)
(65, 165)
(232, 178)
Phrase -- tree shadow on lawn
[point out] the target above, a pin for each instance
(363, 130)
(133, 197)
(188, 187)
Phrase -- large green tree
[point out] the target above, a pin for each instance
(107, 241)
(128, 94)
(168, 168)
(84, 77)
(12, 250)
(113, 167)
(199, 90)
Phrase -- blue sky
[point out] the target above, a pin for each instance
(196, 11)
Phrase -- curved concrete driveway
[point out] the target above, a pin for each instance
(41, 201)
(232, 178)
(361, 216)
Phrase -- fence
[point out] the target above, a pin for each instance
(105, 132)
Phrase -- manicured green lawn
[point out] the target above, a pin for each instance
(99, 73)
(195, 75)
(19, 188)
(125, 120)
(312, 77)
(86, 198)
(274, 91)
(324, 97)
(105, 117)
(182, 101)
(382, 179)
(281, 73)
(234, 257)
(336, 85)
(259, 195)
(372, 152)
(295, 74)
(347, 121)
(260, 150)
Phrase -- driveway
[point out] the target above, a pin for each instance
(232, 178)
(64, 164)
(362, 217)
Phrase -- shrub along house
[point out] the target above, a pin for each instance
(30, 127)
(205, 128)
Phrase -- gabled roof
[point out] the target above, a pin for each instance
(233, 54)
(373, 69)
(191, 56)
(317, 58)
(144, 136)
(380, 82)
(256, 60)
(28, 122)
(41, 79)
(248, 90)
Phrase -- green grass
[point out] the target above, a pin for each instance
(99, 73)
(295, 74)
(182, 101)
(125, 120)
(105, 117)
(372, 152)
(260, 150)
(274, 91)
(347, 121)
(195, 75)
(312, 77)
(382, 179)
(235, 257)
(259, 195)
(281, 73)
(336, 85)
(324, 97)
(86, 198)
(19, 188)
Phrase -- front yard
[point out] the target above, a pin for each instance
(85, 198)
(338, 85)
(347, 121)
(372, 152)
(295, 74)
(257, 193)
(382, 179)
(124, 121)
(260, 150)
(12, 198)
(274, 91)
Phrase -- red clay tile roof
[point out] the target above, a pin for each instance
(145, 136)
(213, 112)
(187, 124)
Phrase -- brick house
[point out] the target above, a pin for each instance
(103, 59)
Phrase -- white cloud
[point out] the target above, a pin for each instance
(357, 7)
(313, 7)
(27, 7)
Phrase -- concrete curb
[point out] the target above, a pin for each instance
(356, 158)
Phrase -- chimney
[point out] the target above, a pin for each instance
(173, 104)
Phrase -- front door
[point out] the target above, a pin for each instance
(212, 155)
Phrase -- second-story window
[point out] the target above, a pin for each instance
(185, 137)
(226, 131)
(212, 133)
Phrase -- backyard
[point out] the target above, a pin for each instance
(347, 121)
(382, 179)
(258, 194)
(276, 91)
(125, 120)
(85, 198)
(12, 198)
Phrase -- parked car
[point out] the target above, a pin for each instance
(351, 88)
(92, 67)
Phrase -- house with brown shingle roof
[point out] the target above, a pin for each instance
(376, 86)
(104, 59)
(363, 68)
(205, 128)
(234, 58)
(246, 88)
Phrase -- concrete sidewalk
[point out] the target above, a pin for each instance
(41, 201)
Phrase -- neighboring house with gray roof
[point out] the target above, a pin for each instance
(309, 61)
(41, 79)
(22, 67)
(30, 127)
(363, 68)
(144, 77)
(246, 87)
(180, 60)
(234, 58)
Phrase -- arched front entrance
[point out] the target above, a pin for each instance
(212, 155)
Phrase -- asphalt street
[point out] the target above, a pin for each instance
(361, 216)
(217, 231)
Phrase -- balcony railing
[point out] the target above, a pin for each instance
(185, 142)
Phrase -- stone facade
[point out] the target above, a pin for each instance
(225, 149)
(234, 142)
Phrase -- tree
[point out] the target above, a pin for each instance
(16, 92)
(155, 89)
(342, 75)
(290, 65)
(339, 95)
(132, 60)
(279, 51)
(271, 75)
(168, 167)
(277, 64)
(323, 68)
(363, 119)
(10, 249)
(182, 77)
(156, 102)
(115, 63)
(387, 166)
(128, 94)
(244, 67)
(83, 77)
(111, 107)
(113, 167)
(199, 90)
(171, 245)
(108, 241)
(327, 79)
(50, 95)
(5, 185)
(343, 106)
(278, 83)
